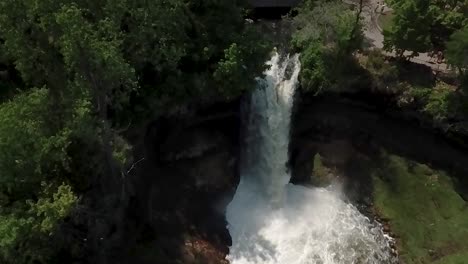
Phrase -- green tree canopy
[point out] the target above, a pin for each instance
(457, 49)
(327, 35)
(457, 54)
(102, 64)
(34, 161)
(422, 26)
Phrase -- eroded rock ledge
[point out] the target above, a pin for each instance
(347, 132)
(181, 189)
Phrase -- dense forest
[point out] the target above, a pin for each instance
(77, 75)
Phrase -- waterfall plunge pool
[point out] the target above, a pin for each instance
(274, 222)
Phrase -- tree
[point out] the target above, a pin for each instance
(34, 195)
(172, 48)
(179, 49)
(327, 35)
(457, 52)
(101, 65)
(410, 27)
(131, 56)
(423, 26)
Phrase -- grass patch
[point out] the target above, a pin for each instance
(424, 211)
(454, 259)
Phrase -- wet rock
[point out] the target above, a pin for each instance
(349, 135)
(182, 187)
(191, 144)
(322, 176)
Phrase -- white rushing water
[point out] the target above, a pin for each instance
(274, 222)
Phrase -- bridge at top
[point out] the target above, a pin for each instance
(274, 3)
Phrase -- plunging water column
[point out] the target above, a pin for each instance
(274, 222)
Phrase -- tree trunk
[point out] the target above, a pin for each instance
(352, 35)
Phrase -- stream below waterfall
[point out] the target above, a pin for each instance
(274, 222)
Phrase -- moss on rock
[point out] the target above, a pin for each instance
(429, 218)
(321, 175)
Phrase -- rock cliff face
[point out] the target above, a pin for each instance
(179, 192)
(349, 136)
(187, 171)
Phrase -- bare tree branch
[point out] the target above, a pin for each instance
(134, 164)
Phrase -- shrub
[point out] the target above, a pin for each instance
(384, 73)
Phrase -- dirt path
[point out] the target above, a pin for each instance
(374, 36)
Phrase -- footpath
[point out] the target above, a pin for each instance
(372, 10)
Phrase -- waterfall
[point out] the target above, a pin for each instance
(267, 128)
(274, 222)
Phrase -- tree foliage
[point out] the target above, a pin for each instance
(172, 48)
(457, 53)
(101, 64)
(422, 26)
(34, 160)
(384, 74)
(327, 35)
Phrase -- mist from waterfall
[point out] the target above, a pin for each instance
(274, 222)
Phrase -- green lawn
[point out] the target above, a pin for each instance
(429, 218)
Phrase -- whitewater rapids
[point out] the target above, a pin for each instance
(274, 222)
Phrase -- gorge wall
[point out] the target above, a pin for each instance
(179, 192)
(346, 132)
